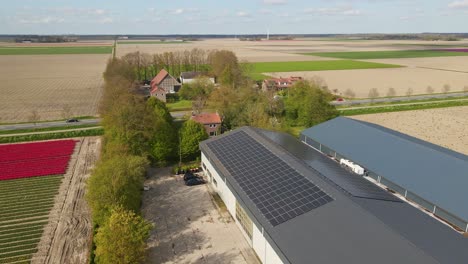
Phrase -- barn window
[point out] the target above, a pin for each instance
(244, 220)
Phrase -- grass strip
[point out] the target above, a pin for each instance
(55, 50)
(327, 65)
(398, 108)
(47, 136)
(388, 54)
(44, 129)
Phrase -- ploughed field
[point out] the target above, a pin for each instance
(30, 177)
(56, 86)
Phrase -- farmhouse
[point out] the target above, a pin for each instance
(433, 177)
(162, 84)
(279, 84)
(188, 77)
(211, 122)
(295, 205)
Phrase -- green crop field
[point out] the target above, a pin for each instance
(55, 50)
(24, 208)
(393, 54)
(152, 42)
(290, 66)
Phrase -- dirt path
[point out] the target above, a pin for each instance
(49, 132)
(67, 237)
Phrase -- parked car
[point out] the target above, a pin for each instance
(188, 176)
(73, 120)
(194, 181)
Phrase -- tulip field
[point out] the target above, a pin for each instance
(30, 176)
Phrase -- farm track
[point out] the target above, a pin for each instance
(69, 239)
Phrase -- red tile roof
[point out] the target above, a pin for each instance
(157, 80)
(207, 118)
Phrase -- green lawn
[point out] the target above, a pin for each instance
(393, 54)
(54, 50)
(289, 66)
(180, 105)
(152, 42)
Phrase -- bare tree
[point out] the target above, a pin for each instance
(409, 92)
(198, 104)
(391, 92)
(349, 93)
(66, 111)
(373, 93)
(34, 117)
(446, 88)
(429, 89)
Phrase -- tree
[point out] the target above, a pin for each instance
(391, 92)
(226, 67)
(34, 117)
(116, 181)
(308, 105)
(200, 87)
(122, 239)
(66, 111)
(446, 88)
(349, 93)
(429, 89)
(409, 92)
(191, 134)
(373, 93)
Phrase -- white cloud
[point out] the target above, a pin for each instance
(275, 2)
(177, 11)
(105, 20)
(40, 20)
(334, 11)
(459, 4)
(242, 14)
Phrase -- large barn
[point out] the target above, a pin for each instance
(295, 205)
(435, 178)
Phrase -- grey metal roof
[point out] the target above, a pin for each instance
(349, 229)
(438, 175)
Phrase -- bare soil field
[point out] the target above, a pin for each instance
(401, 79)
(67, 236)
(262, 51)
(61, 44)
(457, 64)
(445, 127)
(49, 84)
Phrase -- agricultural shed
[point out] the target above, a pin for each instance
(432, 176)
(289, 203)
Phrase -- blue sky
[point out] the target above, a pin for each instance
(232, 16)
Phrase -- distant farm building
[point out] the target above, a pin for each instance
(431, 176)
(188, 77)
(162, 84)
(279, 84)
(295, 205)
(211, 122)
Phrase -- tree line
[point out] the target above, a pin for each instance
(138, 132)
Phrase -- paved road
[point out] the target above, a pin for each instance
(400, 99)
(50, 124)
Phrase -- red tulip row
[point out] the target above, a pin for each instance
(35, 159)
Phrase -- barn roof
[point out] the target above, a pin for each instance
(436, 174)
(345, 230)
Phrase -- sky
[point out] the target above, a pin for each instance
(232, 16)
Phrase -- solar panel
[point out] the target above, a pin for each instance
(277, 190)
(328, 169)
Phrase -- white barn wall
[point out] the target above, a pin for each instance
(259, 243)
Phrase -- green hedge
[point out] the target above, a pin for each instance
(58, 135)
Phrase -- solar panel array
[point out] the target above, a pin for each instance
(276, 189)
(328, 169)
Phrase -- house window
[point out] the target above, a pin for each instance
(212, 133)
(212, 125)
(244, 220)
(215, 182)
(203, 165)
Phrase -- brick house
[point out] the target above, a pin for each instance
(211, 122)
(279, 84)
(162, 84)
